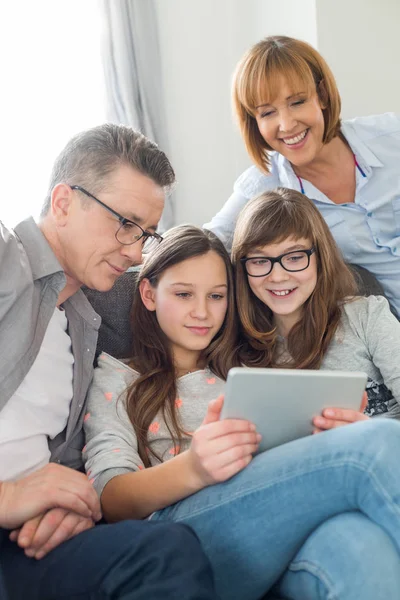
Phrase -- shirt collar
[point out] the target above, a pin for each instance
(365, 158)
(364, 155)
(287, 177)
(82, 306)
(41, 257)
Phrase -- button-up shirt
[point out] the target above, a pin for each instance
(366, 230)
(31, 279)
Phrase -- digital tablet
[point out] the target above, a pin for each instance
(282, 402)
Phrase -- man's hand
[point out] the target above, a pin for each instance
(40, 535)
(337, 417)
(53, 486)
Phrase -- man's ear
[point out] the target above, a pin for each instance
(147, 294)
(61, 203)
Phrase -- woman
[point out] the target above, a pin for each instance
(157, 449)
(297, 301)
(288, 108)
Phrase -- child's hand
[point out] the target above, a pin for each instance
(220, 449)
(337, 417)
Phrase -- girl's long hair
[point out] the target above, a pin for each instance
(155, 389)
(268, 219)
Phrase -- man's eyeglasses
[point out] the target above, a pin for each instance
(128, 232)
(260, 266)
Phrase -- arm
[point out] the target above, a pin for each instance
(223, 223)
(13, 263)
(49, 487)
(382, 337)
(47, 507)
(138, 494)
(219, 449)
(43, 533)
(111, 455)
(251, 183)
(374, 324)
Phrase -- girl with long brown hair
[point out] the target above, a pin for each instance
(298, 306)
(157, 449)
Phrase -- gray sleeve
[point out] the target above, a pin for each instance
(249, 185)
(111, 444)
(223, 223)
(14, 263)
(382, 334)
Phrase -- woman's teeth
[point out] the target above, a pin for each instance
(281, 292)
(296, 139)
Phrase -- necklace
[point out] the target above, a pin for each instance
(183, 372)
(357, 166)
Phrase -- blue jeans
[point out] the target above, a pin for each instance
(130, 560)
(318, 518)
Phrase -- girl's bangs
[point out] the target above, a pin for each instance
(275, 226)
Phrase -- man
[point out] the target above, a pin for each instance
(105, 199)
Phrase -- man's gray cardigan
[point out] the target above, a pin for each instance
(31, 279)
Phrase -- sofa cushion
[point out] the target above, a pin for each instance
(368, 285)
(114, 307)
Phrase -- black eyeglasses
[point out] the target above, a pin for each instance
(128, 232)
(260, 266)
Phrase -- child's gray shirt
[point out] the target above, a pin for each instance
(367, 339)
(111, 445)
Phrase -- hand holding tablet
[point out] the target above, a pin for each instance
(334, 417)
(282, 402)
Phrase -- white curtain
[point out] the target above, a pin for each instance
(131, 59)
(52, 88)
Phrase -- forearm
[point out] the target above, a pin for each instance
(52, 486)
(2, 505)
(137, 495)
(383, 338)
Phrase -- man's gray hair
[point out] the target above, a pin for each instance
(91, 156)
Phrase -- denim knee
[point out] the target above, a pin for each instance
(349, 557)
(171, 539)
(374, 438)
(180, 536)
(384, 427)
(177, 534)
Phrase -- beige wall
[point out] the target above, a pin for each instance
(201, 43)
(360, 41)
